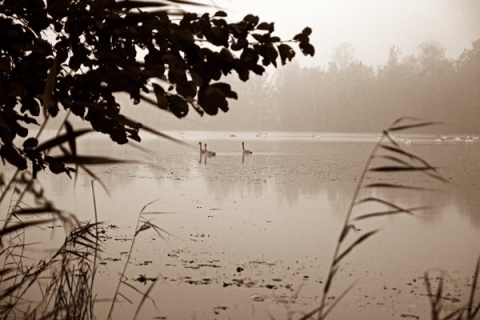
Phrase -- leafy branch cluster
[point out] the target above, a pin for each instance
(79, 54)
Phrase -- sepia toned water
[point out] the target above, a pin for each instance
(252, 237)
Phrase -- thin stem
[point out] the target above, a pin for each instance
(122, 275)
(95, 255)
(346, 221)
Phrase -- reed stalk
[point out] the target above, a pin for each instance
(399, 161)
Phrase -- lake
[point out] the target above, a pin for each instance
(252, 237)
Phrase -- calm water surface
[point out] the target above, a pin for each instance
(276, 215)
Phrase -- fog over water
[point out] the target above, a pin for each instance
(276, 214)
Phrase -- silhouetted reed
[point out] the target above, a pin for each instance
(387, 157)
(142, 225)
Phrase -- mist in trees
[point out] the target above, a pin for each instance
(350, 96)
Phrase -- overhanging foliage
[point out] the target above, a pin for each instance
(78, 54)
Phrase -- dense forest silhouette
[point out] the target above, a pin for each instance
(350, 96)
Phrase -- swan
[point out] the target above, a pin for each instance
(201, 150)
(209, 153)
(245, 151)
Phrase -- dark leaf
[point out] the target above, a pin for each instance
(56, 167)
(307, 49)
(226, 89)
(302, 38)
(162, 101)
(251, 19)
(31, 105)
(220, 14)
(30, 143)
(259, 37)
(61, 139)
(286, 53)
(177, 105)
(27, 119)
(263, 26)
(258, 69)
(13, 156)
(21, 131)
(307, 31)
(187, 89)
(219, 22)
(213, 97)
(266, 26)
(219, 36)
(240, 44)
(57, 8)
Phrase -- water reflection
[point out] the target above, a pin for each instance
(308, 170)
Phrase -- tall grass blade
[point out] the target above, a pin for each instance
(330, 277)
(470, 310)
(407, 118)
(405, 153)
(125, 297)
(338, 299)
(61, 139)
(21, 226)
(123, 119)
(396, 186)
(158, 4)
(390, 139)
(142, 228)
(411, 126)
(346, 230)
(71, 142)
(360, 239)
(90, 160)
(392, 212)
(385, 202)
(145, 296)
(96, 178)
(397, 169)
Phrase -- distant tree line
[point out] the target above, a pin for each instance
(349, 95)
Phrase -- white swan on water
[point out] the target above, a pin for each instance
(245, 151)
(209, 153)
(201, 150)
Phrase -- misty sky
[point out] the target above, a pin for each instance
(371, 26)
